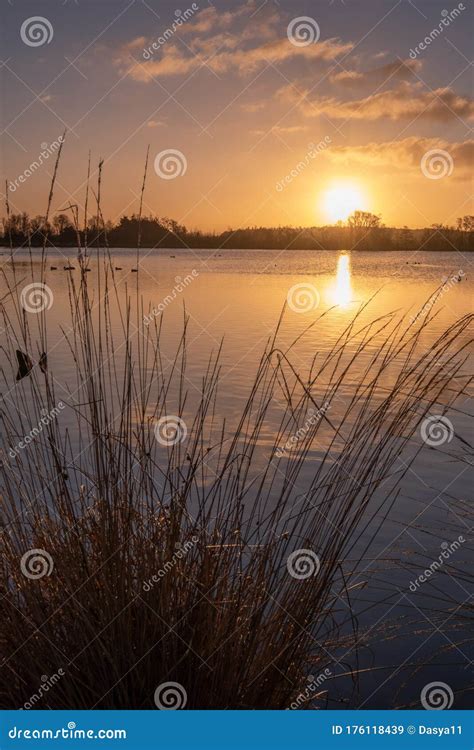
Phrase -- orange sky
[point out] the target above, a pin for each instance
(270, 119)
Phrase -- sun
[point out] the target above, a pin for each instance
(343, 199)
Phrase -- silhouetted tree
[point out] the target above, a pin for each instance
(364, 231)
(364, 219)
(466, 223)
(60, 223)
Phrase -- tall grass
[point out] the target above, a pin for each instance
(171, 562)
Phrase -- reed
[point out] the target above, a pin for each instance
(174, 562)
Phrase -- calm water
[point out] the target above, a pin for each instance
(239, 295)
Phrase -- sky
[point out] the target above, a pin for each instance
(257, 113)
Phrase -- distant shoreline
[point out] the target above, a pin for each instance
(364, 231)
(5, 249)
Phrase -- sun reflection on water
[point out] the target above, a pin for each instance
(341, 292)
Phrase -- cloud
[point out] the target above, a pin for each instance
(207, 20)
(405, 154)
(138, 43)
(210, 19)
(281, 130)
(155, 124)
(223, 59)
(258, 38)
(399, 70)
(253, 106)
(213, 44)
(406, 102)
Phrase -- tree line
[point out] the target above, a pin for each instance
(362, 231)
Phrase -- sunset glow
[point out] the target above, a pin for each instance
(245, 107)
(341, 200)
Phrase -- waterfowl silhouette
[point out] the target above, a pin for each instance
(25, 365)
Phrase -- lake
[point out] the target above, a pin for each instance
(238, 296)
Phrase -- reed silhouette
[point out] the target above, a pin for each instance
(170, 562)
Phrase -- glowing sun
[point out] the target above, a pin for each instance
(342, 199)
